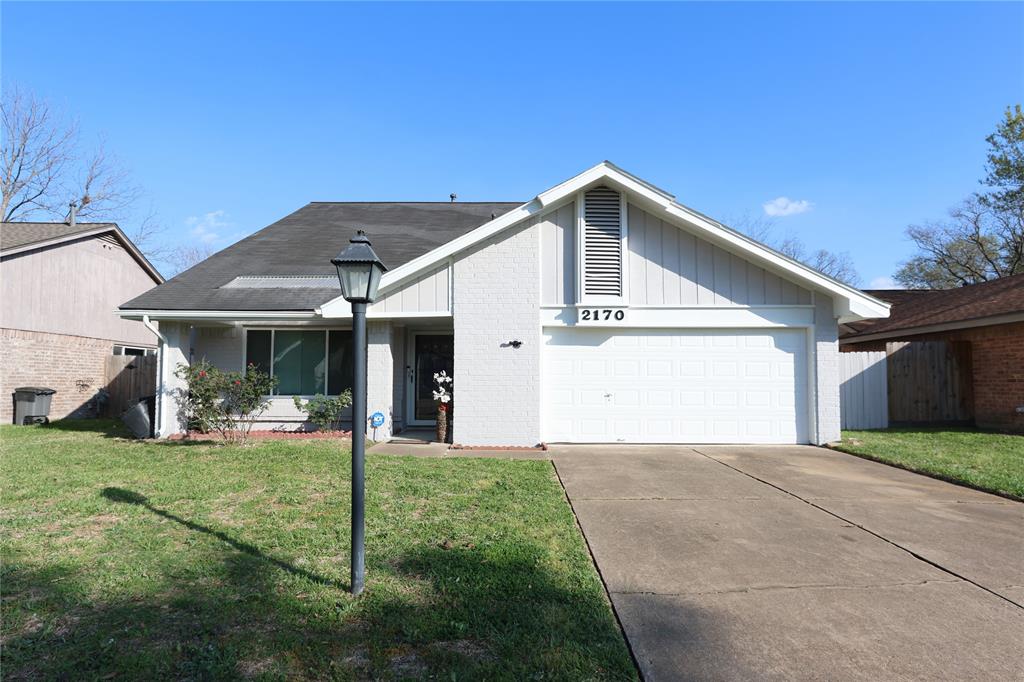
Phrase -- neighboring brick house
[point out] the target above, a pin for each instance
(601, 310)
(60, 285)
(986, 320)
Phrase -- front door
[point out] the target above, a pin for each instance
(431, 354)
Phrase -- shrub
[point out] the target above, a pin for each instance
(226, 402)
(323, 411)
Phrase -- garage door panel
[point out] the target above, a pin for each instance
(669, 386)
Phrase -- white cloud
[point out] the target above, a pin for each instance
(208, 227)
(783, 206)
(883, 282)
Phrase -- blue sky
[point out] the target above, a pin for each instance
(232, 115)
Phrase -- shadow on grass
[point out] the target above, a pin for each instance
(114, 429)
(461, 613)
(123, 496)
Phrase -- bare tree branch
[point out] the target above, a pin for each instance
(979, 242)
(36, 152)
(838, 266)
(104, 189)
(185, 257)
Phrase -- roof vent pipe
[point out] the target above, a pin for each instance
(453, 196)
(73, 206)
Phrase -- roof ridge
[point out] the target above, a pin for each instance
(446, 203)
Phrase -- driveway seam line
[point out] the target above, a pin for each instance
(772, 588)
(600, 575)
(866, 530)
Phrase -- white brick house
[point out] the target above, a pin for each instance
(600, 311)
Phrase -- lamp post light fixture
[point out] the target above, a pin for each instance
(359, 272)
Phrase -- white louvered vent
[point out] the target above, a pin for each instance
(602, 243)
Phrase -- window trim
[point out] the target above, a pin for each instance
(582, 298)
(272, 330)
(120, 348)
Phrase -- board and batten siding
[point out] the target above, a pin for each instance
(667, 266)
(429, 293)
(558, 251)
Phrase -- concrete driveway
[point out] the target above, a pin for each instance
(799, 563)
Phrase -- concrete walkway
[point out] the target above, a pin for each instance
(799, 563)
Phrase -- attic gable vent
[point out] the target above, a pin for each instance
(602, 243)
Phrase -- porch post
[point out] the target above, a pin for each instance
(380, 394)
(170, 388)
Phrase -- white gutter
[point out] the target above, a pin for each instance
(158, 411)
(216, 314)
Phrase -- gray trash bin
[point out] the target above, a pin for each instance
(32, 405)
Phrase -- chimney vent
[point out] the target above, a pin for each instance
(73, 206)
(453, 196)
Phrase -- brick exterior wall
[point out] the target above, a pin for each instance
(72, 365)
(826, 353)
(997, 361)
(997, 370)
(497, 300)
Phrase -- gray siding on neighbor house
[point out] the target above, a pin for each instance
(666, 266)
(428, 293)
(74, 288)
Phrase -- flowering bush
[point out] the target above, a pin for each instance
(226, 402)
(325, 412)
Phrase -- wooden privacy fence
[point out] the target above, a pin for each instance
(918, 382)
(129, 377)
(863, 390)
(929, 382)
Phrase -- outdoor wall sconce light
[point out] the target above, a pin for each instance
(515, 343)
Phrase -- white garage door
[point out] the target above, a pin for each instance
(671, 386)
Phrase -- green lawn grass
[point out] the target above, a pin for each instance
(986, 460)
(143, 560)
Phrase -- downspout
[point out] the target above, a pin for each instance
(160, 375)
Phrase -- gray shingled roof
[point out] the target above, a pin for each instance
(14, 235)
(303, 243)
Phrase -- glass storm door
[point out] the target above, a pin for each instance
(433, 353)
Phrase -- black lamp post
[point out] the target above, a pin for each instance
(359, 271)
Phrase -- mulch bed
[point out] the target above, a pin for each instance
(267, 435)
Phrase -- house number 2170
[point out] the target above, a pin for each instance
(601, 315)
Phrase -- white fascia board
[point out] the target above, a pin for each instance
(601, 171)
(232, 316)
(853, 304)
(217, 315)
